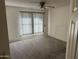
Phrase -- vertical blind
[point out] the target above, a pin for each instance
(31, 23)
(38, 23)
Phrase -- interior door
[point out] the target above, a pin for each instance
(73, 36)
(4, 45)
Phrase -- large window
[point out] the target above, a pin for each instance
(38, 23)
(31, 23)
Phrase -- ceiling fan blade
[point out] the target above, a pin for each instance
(51, 6)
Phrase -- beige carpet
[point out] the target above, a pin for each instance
(39, 47)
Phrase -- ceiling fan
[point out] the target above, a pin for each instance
(44, 6)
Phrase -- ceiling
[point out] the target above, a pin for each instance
(32, 1)
(36, 2)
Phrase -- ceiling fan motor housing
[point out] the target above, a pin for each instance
(42, 4)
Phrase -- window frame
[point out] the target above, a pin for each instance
(21, 12)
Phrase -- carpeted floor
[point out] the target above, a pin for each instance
(39, 47)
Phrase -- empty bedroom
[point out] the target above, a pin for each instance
(37, 29)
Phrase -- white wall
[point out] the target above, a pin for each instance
(58, 22)
(12, 20)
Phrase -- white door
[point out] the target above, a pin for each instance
(72, 41)
(4, 45)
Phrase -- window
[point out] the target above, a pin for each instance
(38, 23)
(31, 23)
